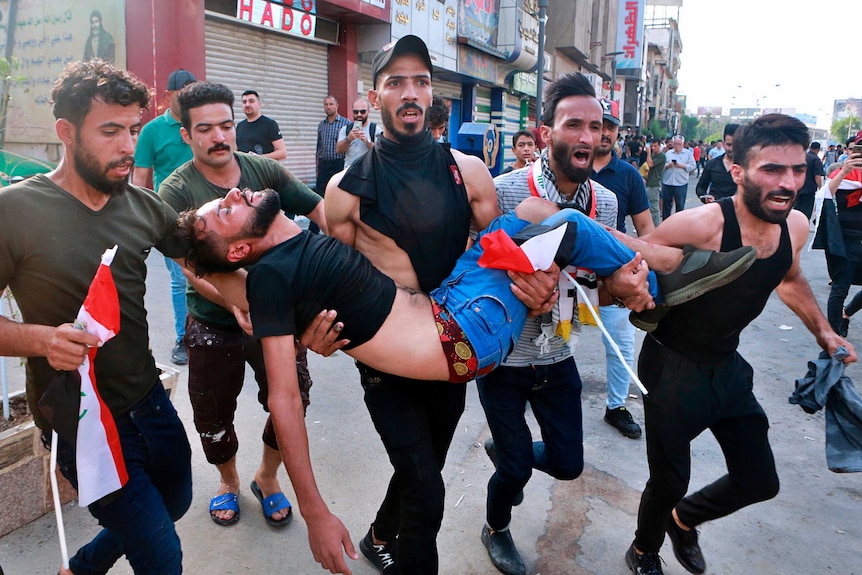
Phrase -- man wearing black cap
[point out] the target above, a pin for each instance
(417, 200)
(159, 152)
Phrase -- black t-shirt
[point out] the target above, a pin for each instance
(257, 136)
(815, 168)
(296, 279)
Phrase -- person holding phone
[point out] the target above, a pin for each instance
(357, 138)
(674, 183)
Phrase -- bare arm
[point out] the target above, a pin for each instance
(797, 295)
(340, 208)
(327, 535)
(318, 216)
(142, 177)
(480, 189)
(63, 346)
(643, 223)
(280, 151)
(851, 163)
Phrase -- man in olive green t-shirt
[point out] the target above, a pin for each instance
(218, 348)
(655, 160)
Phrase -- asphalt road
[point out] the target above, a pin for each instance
(577, 527)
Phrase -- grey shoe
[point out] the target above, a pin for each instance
(502, 551)
(621, 418)
(702, 271)
(179, 354)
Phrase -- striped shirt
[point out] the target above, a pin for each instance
(512, 188)
(327, 137)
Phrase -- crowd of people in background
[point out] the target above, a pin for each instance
(374, 183)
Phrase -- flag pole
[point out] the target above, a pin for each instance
(599, 323)
(58, 511)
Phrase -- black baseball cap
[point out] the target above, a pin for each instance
(407, 45)
(179, 79)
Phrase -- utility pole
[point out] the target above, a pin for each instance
(540, 66)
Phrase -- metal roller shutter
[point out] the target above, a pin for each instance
(290, 74)
(512, 123)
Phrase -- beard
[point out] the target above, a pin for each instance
(264, 214)
(562, 155)
(413, 134)
(753, 198)
(95, 175)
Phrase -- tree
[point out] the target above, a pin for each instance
(688, 126)
(844, 128)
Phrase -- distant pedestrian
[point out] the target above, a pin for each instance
(716, 181)
(329, 161)
(524, 148)
(655, 161)
(258, 134)
(813, 180)
(679, 166)
(357, 138)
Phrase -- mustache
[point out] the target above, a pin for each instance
(409, 106)
(130, 160)
(219, 147)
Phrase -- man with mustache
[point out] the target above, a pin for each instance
(218, 349)
(53, 230)
(407, 205)
(690, 364)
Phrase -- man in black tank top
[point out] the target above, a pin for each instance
(690, 364)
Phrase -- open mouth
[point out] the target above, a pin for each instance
(582, 156)
(779, 201)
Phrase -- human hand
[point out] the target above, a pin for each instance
(243, 318)
(630, 284)
(327, 536)
(538, 290)
(831, 341)
(707, 198)
(321, 335)
(68, 346)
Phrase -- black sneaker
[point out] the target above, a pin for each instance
(686, 548)
(844, 327)
(622, 419)
(491, 450)
(381, 556)
(643, 564)
(702, 271)
(179, 355)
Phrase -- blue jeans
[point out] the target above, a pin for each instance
(671, 195)
(616, 320)
(554, 393)
(480, 301)
(178, 296)
(138, 521)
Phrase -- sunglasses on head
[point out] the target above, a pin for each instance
(360, 111)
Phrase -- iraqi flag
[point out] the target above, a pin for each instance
(101, 468)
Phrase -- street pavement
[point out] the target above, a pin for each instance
(574, 528)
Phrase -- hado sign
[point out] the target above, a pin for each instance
(290, 16)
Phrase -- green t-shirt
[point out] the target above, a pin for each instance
(50, 248)
(161, 147)
(653, 179)
(187, 188)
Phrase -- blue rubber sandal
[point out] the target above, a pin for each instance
(272, 504)
(225, 502)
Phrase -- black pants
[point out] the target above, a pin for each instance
(416, 421)
(685, 398)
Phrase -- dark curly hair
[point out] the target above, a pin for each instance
(82, 82)
(200, 94)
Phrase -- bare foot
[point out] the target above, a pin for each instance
(225, 514)
(270, 486)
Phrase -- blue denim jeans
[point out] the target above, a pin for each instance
(554, 393)
(485, 308)
(178, 296)
(138, 521)
(616, 321)
(671, 195)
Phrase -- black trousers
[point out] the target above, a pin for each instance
(416, 421)
(685, 398)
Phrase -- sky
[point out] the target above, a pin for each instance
(766, 53)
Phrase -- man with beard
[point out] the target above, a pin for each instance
(541, 371)
(100, 44)
(218, 349)
(690, 364)
(407, 205)
(53, 230)
(716, 182)
(626, 183)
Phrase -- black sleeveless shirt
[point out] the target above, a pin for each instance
(707, 329)
(415, 195)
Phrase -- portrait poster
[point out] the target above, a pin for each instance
(42, 39)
